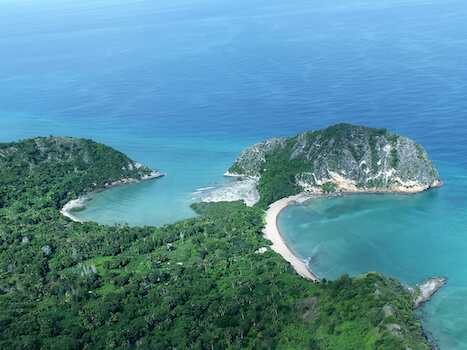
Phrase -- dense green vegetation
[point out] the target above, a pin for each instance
(197, 283)
(278, 181)
(46, 172)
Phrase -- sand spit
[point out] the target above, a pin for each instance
(73, 204)
(245, 188)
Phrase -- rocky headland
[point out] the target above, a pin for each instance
(340, 158)
(424, 291)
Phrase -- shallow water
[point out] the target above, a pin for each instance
(411, 237)
(184, 86)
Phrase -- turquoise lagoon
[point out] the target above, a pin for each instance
(183, 86)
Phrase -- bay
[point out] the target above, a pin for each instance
(184, 86)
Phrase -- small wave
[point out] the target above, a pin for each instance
(204, 189)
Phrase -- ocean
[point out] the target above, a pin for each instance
(183, 86)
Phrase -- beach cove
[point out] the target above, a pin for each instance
(280, 245)
(404, 236)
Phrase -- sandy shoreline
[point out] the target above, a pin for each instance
(245, 188)
(272, 233)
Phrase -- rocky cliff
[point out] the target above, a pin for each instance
(342, 157)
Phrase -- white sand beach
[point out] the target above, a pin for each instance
(272, 233)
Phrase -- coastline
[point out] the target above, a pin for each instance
(74, 203)
(79, 202)
(427, 289)
(272, 233)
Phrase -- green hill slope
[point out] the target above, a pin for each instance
(51, 171)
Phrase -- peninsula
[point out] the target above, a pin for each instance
(204, 282)
(340, 159)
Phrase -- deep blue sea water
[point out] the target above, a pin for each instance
(183, 86)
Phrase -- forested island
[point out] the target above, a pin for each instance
(202, 283)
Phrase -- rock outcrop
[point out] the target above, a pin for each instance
(426, 290)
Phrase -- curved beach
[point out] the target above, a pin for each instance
(272, 233)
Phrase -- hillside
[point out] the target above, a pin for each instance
(53, 170)
(342, 157)
(199, 283)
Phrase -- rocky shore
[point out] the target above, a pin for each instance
(427, 289)
(152, 175)
(242, 189)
